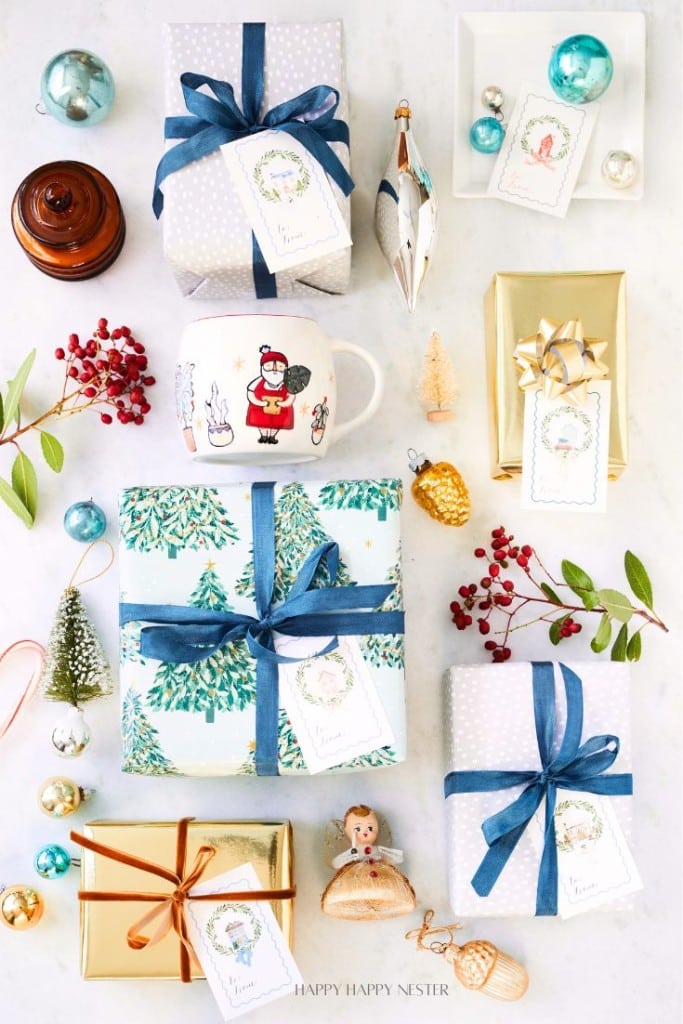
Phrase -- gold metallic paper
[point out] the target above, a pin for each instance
(513, 306)
(104, 950)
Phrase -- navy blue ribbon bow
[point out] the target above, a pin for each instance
(308, 117)
(184, 634)
(576, 766)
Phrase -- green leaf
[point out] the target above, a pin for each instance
(16, 387)
(603, 634)
(616, 604)
(635, 647)
(550, 593)
(14, 502)
(554, 631)
(580, 582)
(2, 415)
(25, 483)
(638, 579)
(52, 451)
(618, 652)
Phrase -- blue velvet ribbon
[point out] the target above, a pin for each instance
(185, 634)
(576, 766)
(308, 117)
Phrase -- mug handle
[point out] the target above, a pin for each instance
(342, 429)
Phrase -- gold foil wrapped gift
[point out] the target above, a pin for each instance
(522, 313)
(113, 920)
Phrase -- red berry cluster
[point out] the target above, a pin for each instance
(498, 594)
(112, 375)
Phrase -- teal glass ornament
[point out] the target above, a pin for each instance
(77, 88)
(53, 861)
(85, 521)
(486, 135)
(580, 69)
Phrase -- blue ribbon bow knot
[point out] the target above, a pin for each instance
(216, 120)
(185, 634)
(576, 766)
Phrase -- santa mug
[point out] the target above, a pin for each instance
(261, 388)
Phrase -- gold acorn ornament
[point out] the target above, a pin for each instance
(440, 490)
(58, 797)
(21, 907)
(478, 965)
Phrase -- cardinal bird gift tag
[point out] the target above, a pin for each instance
(542, 153)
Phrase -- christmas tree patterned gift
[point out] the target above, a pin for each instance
(190, 550)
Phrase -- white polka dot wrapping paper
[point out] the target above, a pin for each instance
(206, 236)
(490, 710)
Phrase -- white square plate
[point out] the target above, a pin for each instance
(508, 49)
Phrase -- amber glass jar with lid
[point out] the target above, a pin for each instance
(68, 220)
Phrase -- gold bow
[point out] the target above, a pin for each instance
(560, 360)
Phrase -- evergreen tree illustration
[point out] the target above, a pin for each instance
(129, 643)
(298, 530)
(76, 667)
(385, 648)
(290, 754)
(172, 518)
(364, 495)
(225, 681)
(142, 753)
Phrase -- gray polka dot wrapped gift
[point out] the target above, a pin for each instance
(237, 81)
(538, 789)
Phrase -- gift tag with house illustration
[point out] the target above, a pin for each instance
(565, 451)
(287, 198)
(239, 945)
(331, 701)
(594, 864)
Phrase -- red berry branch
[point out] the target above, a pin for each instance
(107, 372)
(500, 600)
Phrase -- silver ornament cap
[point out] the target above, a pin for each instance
(406, 211)
(71, 735)
(619, 169)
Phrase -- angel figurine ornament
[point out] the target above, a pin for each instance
(367, 886)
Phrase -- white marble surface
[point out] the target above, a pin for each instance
(595, 967)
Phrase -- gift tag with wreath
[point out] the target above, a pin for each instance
(239, 944)
(332, 701)
(287, 198)
(594, 864)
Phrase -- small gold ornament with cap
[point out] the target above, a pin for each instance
(58, 797)
(478, 964)
(21, 907)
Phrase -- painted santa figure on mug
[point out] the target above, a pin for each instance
(271, 395)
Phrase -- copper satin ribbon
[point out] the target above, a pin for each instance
(29, 687)
(560, 360)
(170, 910)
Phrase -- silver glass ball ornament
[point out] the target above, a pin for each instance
(619, 169)
(492, 97)
(71, 735)
(77, 88)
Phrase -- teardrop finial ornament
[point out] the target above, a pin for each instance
(406, 211)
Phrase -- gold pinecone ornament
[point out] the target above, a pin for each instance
(440, 490)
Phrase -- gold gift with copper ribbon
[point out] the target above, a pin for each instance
(123, 861)
(531, 324)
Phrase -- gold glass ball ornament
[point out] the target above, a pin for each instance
(21, 907)
(619, 169)
(58, 796)
(440, 490)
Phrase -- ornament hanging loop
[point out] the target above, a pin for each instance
(40, 109)
(89, 579)
(421, 933)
